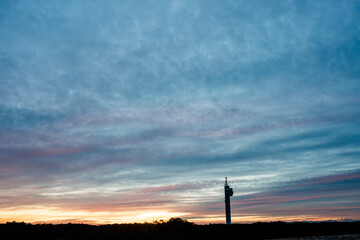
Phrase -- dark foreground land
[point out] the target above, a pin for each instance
(181, 229)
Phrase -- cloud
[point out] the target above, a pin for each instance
(171, 97)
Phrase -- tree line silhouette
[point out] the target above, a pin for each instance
(175, 228)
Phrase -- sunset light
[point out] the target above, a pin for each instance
(136, 111)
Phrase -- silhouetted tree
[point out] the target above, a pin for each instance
(178, 221)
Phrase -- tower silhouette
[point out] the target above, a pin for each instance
(228, 193)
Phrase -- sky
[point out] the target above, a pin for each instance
(132, 111)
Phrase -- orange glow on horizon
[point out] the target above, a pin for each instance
(55, 215)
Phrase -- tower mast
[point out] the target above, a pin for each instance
(228, 193)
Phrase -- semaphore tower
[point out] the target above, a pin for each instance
(228, 193)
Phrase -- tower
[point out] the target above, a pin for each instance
(228, 193)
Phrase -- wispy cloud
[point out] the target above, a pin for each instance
(169, 98)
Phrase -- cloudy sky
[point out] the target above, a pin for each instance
(132, 111)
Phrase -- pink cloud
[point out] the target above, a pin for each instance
(331, 179)
(45, 152)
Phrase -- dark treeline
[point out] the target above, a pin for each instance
(175, 228)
